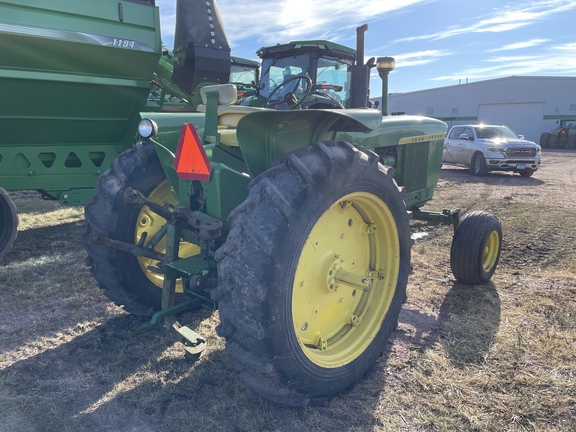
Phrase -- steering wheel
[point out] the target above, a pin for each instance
(289, 80)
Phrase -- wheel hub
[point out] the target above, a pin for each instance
(345, 279)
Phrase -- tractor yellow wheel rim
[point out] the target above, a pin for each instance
(148, 223)
(345, 279)
(490, 252)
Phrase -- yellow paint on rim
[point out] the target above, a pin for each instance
(149, 222)
(490, 252)
(356, 239)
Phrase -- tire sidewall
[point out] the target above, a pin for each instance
(9, 222)
(319, 198)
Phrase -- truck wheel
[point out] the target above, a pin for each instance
(127, 280)
(8, 223)
(571, 142)
(553, 141)
(478, 165)
(544, 138)
(476, 247)
(313, 273)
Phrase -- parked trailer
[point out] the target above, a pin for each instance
(75, 77)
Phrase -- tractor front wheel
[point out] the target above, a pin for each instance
(8, 223)
(313, 273)
(476, 248)
(134, 283)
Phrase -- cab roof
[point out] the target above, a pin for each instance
(310, 45)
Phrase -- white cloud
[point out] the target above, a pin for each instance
(419, 58)
(271, 22)
(504, 19)
(520, 45)
(559, 60)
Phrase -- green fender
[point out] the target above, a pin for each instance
(264, 136)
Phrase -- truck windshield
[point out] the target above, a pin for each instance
(491, 132)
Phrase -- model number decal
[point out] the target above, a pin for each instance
(421, 138)
(123, 43)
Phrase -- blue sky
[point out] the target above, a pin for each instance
(435, 43)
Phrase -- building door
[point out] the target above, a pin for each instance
(523, 118)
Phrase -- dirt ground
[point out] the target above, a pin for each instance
(499, 357)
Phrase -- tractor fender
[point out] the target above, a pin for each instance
(264, 136)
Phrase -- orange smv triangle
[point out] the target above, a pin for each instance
(191, 161)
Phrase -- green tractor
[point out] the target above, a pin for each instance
(564, 136)
(295, 223)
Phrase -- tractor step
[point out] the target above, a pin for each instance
(194, 344)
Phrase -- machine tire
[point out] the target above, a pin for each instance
(571, 142)
(553, 141)
(297, 335)
(476, 248)
(544, 139)
(122, 276)
(8, 223)
(478, 165)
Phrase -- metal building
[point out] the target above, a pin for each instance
(529, 105)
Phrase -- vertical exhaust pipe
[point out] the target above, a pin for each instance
(360, 74)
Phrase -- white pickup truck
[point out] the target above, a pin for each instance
(484, 148)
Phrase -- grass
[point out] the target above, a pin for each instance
(499, 357)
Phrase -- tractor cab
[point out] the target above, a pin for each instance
(303, 75)
(244, 74)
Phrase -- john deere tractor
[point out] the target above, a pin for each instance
(563, 136)
(294, 223)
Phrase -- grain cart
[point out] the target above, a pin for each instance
(74, 77)
(294, 223)
(564, 136)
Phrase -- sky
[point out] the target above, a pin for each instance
(435, 43)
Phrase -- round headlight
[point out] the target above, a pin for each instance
(147, 128)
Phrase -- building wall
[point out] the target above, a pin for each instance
(528, 105)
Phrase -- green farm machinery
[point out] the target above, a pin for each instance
(75, 77)
(289, 211)
(563, 136)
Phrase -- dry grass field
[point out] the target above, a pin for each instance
(499, 357)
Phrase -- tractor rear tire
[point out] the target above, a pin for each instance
(571, 142)
(8, 223)
(294, 329)
(553, 141)
(127, 280)
(544, 139)
(476, 248)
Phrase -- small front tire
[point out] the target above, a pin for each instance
(476, 248)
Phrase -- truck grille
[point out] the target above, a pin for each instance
(520, 152)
